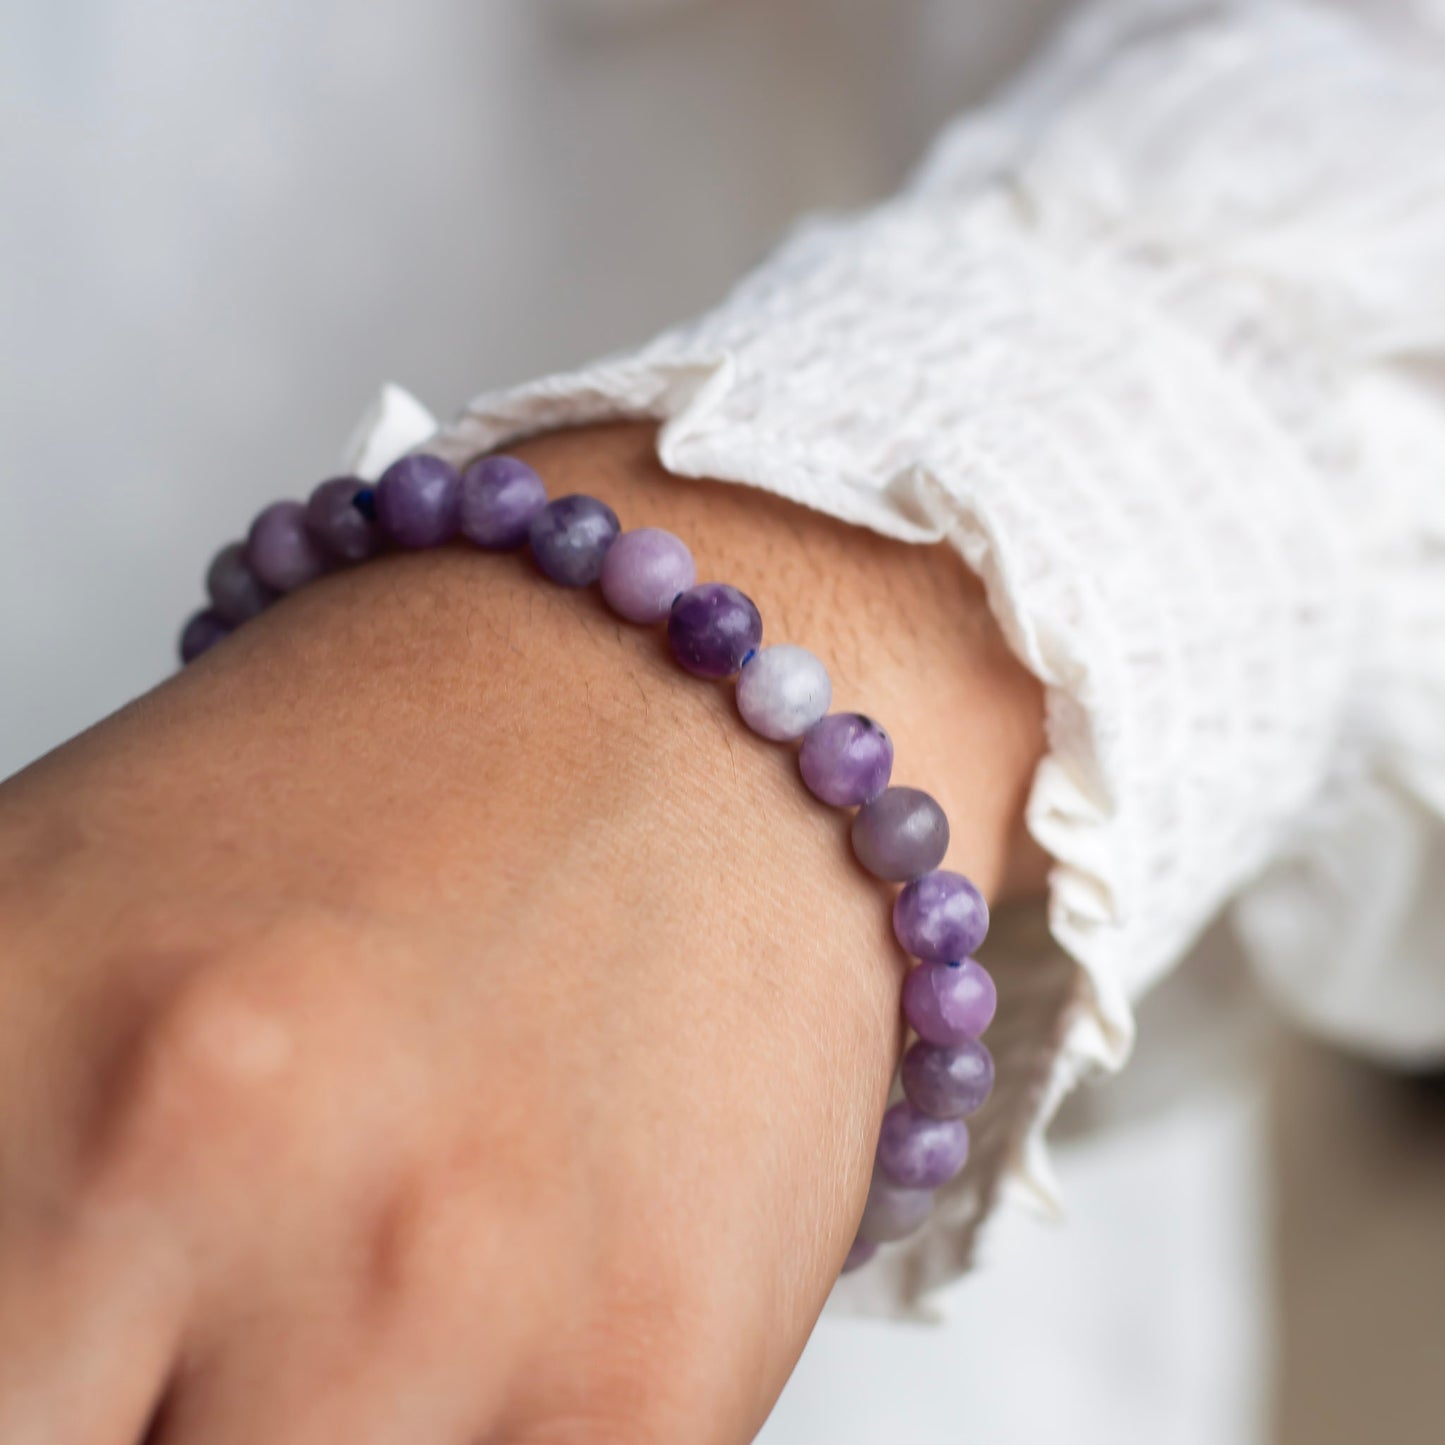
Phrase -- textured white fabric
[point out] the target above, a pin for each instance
(1158, 342)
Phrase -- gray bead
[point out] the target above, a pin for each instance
(901, 834)
(783, 691)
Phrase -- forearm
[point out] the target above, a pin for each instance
(472, 796)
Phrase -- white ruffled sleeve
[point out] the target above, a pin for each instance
(1158, 342)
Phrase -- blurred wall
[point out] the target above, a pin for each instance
(222, 225)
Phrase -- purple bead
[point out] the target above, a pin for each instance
(339, 527)
(237, 593)
(712, 628)
(279, 549)
(570, 538)
(416, 501)
(941, 917)
(948, 1004)
(783, 691)
(500, 499)
(900, 834)
(948, 1083)
(859, 1255)
(643, 573)
(892, 1210)
(201, 633)
(918, 1151)
(846, 759)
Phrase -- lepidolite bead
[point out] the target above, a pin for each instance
(900, 834)
(279, 549)
(712, 628)
(237, 594)
(940, 916)
(500, 499)
(846, 759)
(416, 501)
(201, 633)
(949, 1004)
(643, 573)
(948, 1083)
(570, 538)
(340, 528)
(919, 1151)
(893, 1211)
(783, 691)
(859, 1255)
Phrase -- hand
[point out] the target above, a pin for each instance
(434, 1018)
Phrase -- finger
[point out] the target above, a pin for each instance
(89, 1319)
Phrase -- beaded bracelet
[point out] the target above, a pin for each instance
(648, 576)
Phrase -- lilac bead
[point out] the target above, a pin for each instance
(570, 538)
(712, 628)
(859, 1255)
(900, 834)
(279, 549)
(338, 526)
(948, 1004)
(846, 759)
(237, 594)
(500, 499)
(941, 917)
(892, 1210)
(416, 501)
(643, 573)
(919, 1151)
(948, 1083)
(201, 633)
(783, 691)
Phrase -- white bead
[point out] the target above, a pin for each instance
(783, 691)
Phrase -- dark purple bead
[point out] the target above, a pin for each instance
(712, 629)
(570, 538)
(846, 759)
(416, 501)
(279, 549)
(941, 917)
(948, 1004)
(900, 834)
(202, 632)
(948, 1083)
(237, 594)
(919, 1151)
(500, 498)
(337, 524)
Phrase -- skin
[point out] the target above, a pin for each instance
(433, 1017)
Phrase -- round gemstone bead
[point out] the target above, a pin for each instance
(948, 1004)
(201, 633)
(783, 691)
(948, 1083)
(892, 1211)
(859, 1255)
(712, 629)
(918, 1151)
(846, 759)
(500, 499)
(570, 538)
(237, 594)
(279, 549)
(339, 527)
(416, 501)
(941, 917)
(900, 834)
(643, 573)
